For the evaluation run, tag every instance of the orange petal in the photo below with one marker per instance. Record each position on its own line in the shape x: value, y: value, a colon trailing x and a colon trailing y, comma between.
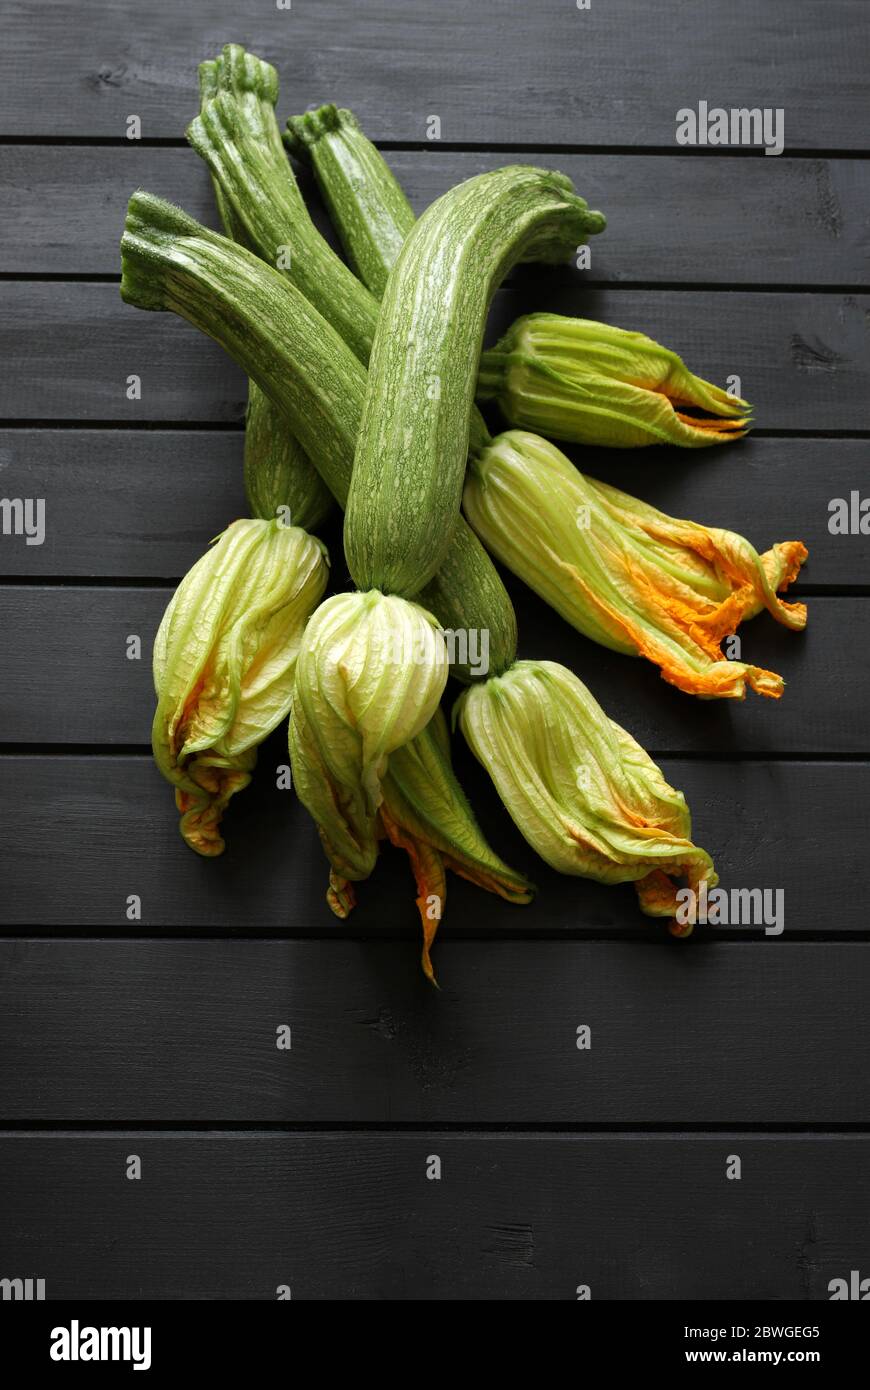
x: 429, y: 875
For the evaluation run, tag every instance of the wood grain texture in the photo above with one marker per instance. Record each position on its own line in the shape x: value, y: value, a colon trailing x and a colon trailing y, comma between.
x: 80, y: 834
x: 495, y: 72
x: 801, y: 221
x: 347, y: 1217
x: 174, y: 1031
x: 67, y: 677
x: 143, y: 504
x: 803, y: 359
x: 130, y: 504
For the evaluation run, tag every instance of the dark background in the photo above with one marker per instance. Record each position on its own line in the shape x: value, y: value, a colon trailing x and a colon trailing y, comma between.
x: 559, y: 1167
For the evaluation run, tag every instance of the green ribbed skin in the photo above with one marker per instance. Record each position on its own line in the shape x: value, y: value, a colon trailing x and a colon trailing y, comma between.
x: 366, y: 202
x: 467, y: 595
x: 236, y: 134
x: 170, y: 262
x: 240, y: 141
x: 373, y: 218
x: 277, y: 471
x: 410, y: 461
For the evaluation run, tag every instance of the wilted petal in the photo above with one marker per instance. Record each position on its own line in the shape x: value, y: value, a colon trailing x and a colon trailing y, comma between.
x: 346, y: 823
x: 426, y: 812
x: 423, y: 810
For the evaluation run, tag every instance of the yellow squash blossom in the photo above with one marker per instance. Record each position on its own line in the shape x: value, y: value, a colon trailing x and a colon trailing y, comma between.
x: 625, y: 574
x: 589, y: 383
x: 580, y: 789
x: 224, y: 660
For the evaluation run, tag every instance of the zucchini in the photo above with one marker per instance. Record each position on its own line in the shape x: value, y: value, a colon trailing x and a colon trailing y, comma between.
x: 278, y: 474
x: 237, y: 135
x: 373, y: 218
x: 365, y: 201
x: 279, y: 477
x: 410, y: 461
x: 170, y: 262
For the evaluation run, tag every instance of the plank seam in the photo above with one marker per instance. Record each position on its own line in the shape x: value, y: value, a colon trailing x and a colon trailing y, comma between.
x: 215, y: 1128
x: 436, y: 148
x: 528, y: 281
x: 23, y: 933
x: 23, y: 422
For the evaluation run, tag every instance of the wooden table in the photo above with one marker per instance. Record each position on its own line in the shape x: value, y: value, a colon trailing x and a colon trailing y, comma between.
x: 307, y: 1167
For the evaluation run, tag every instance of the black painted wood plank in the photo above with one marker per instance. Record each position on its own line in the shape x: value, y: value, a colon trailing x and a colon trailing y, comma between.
x: 140, y: 504
x: 143, y: 504
x: 68, y: 679
x: 167, y: 1032
x: 82, y: 834
x: 803, y: 359
x: 495, y: 71
x: 352, y: 1216
x: 679, y: 219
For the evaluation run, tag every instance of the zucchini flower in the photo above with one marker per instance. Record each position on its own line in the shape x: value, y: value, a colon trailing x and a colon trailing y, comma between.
x: 372, y: 669
x: 581, y: 791
x: 370, y: 754
x: 224, y: 660
x: 625, y: 574
x: 588, y: 383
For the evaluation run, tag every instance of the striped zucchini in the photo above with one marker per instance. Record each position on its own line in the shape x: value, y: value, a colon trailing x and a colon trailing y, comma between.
x: 366, y: 202
x: 237, y: 135
x: 410, y: 460
x: 277, y: 471
x: 170, y: 262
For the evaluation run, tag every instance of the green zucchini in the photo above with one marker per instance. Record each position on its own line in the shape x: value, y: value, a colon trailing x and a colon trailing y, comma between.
x: 238, y: 137
x: 366, y: 203
x: 279, y: 477
x: 236, y: 134
x: 278, y: 474
x: 409, y: 466
x: 170, y: 262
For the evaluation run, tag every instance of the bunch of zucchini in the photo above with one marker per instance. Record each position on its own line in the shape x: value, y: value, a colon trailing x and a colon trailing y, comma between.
x: 363, y: 383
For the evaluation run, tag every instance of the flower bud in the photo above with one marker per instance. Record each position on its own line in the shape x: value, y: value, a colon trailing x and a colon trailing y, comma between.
x: 224, y: 661
x: 589, y: 383
x: 372, y: 668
